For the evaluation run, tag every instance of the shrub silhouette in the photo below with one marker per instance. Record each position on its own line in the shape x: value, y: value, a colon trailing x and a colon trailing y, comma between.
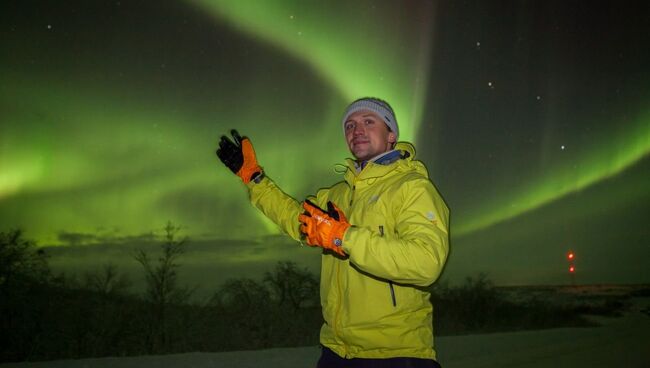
x: 23, y: 273
x: 477, y: 306
x: 20, y: 261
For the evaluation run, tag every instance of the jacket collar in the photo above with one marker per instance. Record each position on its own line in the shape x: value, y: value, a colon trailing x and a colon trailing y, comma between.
x: 385, y: 158
x: 381, y: 165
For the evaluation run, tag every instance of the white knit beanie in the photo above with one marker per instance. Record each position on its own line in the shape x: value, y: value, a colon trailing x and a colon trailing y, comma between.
x: 376, y: 105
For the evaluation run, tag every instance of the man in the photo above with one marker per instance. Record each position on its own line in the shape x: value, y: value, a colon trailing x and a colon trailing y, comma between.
x: 384, y: 232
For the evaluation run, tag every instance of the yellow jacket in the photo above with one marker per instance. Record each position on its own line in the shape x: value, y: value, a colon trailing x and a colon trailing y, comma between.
x: 374, y: 302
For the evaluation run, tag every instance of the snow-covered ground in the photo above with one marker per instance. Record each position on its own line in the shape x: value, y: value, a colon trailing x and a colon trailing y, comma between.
x: 618, y: 342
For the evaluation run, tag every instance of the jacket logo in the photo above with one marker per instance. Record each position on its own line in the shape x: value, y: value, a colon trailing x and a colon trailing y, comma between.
x: 431, y: 217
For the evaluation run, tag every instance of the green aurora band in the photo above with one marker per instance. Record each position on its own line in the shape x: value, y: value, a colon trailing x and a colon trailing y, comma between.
x: 333, y: 49
x: 595, y: 164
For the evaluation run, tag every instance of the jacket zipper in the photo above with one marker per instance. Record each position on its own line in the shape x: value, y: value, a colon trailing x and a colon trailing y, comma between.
x: 338, y: 308
x: 390, y: 283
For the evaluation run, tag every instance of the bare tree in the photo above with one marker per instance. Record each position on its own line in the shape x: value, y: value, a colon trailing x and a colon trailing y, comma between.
x: 162, y: 288
x: 241, y: 295
x: 108, y: 281
x: 291, y: 285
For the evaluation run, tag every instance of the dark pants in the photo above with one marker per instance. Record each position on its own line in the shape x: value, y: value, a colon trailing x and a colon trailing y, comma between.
x: 329, y: 359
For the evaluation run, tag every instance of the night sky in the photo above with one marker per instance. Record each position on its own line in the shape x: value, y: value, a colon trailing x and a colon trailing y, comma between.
x: 532, y: 117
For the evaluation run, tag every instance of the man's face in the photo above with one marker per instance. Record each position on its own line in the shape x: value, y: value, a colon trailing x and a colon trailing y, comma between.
x: 367, y: 135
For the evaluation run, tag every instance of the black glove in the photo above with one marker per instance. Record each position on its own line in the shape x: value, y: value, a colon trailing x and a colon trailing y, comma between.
x: 239, y: 156
x: 331, y: 211
x: 230, y: 153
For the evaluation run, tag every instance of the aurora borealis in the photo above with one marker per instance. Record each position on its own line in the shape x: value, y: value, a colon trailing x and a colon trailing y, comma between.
x: 533, y: 119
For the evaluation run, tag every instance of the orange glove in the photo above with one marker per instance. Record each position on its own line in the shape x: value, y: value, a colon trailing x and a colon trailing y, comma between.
x: 239, y: 156
x: 324, y: 229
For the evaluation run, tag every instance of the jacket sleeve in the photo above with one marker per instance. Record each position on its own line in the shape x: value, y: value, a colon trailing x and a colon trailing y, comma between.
x: 417, y: 252
x: 278, y: 206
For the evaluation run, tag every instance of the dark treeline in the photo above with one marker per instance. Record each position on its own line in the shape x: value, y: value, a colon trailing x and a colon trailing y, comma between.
x: 45, y: 316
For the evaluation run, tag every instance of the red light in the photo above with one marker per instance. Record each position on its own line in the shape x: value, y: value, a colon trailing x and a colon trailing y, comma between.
x: 570, y: 255
x: 572, y: 269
